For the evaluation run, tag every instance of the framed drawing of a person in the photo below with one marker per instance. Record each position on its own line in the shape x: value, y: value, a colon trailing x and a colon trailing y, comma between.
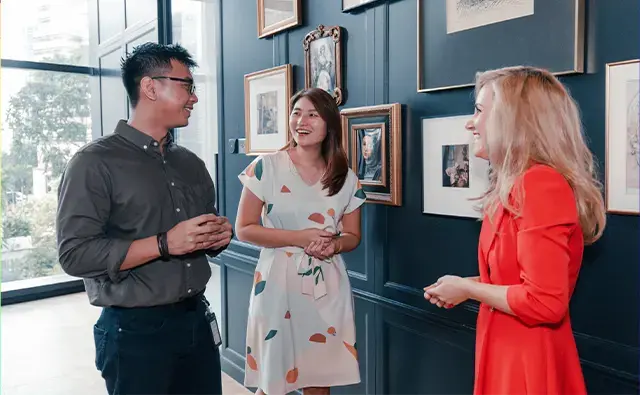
x: 323, y: 60
x: 622, y: 155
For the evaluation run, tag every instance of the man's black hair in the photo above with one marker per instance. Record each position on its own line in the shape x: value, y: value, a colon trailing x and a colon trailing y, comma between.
x: 150, y: 59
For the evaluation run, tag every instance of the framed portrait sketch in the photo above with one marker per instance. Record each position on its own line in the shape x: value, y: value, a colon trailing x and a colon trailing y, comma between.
x: 622, y: 181
x: 372, y: 139
x: 451, y: 173
x: 350, y: 5
x: 453, y: 37
x: 323, y: 60
x: 277, y: 15
x: 267, y: 95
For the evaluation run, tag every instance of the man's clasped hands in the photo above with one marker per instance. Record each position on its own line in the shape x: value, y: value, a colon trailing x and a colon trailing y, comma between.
x: 204, y: 232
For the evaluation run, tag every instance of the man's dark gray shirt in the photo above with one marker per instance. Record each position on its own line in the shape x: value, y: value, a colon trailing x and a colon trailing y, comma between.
x: 118, y: 189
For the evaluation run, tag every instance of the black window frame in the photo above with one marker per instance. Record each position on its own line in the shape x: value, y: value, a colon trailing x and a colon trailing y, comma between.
x: 50, y: 289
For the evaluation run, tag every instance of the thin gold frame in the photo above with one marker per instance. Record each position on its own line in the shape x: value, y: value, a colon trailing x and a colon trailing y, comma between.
x: 265, y: 31
x: 321, y: 32
x: 287, y: 69
x: 578, y: 45
x: 383, y: 144
x: 608, y: 131
x: 394, y: 112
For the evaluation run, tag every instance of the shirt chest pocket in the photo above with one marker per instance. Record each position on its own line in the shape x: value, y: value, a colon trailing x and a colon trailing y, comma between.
x: 197, y: 198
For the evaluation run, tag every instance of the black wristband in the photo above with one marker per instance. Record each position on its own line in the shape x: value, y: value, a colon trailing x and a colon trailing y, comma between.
x: 163, y: 247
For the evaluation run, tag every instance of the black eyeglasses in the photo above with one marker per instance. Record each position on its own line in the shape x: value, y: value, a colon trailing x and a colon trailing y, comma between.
x: 189, y: 82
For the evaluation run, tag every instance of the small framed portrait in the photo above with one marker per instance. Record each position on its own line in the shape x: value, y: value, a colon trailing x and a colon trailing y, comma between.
x: 452, y: 175
x: 323, y: 60
x: 267, y: 96
x: 277, y: 15
x: 368, y: 146
x: 350, y: 5
x: 372, y: 139
x: 622, y: 181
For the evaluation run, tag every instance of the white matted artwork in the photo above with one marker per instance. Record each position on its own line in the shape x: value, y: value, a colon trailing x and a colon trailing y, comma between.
x: 277, y: 15
x: 267, y: 95
x: 348, y: 5
x: 622, y: 131
x: 451, y: 173
x: 469, y: 14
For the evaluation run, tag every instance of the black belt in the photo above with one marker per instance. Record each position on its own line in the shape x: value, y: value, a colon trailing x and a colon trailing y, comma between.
x: 188, y: 304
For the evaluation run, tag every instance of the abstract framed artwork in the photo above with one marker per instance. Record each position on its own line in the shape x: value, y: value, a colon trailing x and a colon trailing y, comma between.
x: 323, y: 60
x: 452, y: 175
x: 453, y: 35
x: 277, y: 15
x: 372, y: 139
x: 267, y: 95
x: 622, y: 180
x: 350, y: 5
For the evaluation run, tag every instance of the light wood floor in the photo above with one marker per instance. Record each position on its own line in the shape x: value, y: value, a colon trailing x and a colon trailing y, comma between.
x: 47, y: 349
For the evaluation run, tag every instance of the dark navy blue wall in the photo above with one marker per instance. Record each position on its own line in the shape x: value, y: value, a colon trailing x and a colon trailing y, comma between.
x: 405, y: 344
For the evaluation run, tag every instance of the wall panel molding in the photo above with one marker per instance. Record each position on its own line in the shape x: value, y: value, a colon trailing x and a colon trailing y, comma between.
x: 401, y: 248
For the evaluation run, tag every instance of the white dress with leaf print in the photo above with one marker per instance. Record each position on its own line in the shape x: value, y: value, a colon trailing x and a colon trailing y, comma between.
x: 301, y: 330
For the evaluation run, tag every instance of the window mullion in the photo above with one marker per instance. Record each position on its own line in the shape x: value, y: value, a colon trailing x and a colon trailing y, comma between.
x: 62, y: 68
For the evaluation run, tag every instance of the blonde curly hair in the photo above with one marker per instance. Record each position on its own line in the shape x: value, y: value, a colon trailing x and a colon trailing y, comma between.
x: 535, y: 119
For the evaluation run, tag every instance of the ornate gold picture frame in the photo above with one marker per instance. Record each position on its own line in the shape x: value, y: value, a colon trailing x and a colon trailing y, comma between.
x: 323, y: 60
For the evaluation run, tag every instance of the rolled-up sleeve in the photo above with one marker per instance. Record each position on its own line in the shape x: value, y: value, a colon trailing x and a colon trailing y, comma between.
x: 84, y: 205
x: 549, y: 216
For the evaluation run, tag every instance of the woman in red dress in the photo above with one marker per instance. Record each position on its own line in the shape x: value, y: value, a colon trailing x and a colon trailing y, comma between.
x: 544, y: 203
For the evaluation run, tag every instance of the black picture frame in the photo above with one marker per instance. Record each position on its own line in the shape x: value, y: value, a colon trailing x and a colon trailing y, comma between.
x: 448, y: 61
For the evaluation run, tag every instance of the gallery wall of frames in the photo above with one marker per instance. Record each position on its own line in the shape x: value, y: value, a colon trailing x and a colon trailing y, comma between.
x: 402, y: 74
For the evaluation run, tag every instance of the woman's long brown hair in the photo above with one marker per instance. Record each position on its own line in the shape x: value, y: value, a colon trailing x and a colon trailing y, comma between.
x: 331, y: 150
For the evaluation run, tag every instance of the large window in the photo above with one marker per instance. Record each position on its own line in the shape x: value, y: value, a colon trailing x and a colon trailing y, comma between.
x: 194, y: 27
x: 46, y: 118
x: 61, y: 88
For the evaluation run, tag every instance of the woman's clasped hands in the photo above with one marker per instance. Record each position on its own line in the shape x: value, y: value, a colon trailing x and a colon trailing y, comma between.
x: 318, y: 243
x: 448, y: 291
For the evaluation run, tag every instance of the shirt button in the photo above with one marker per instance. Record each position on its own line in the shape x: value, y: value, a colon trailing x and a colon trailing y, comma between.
x: 164, y: 161
x: 172, y: 184
x: 144, y: 146
x: 188, y: 265
x: 155, y: 143
x: 189, y: 290
x: 178, y: 210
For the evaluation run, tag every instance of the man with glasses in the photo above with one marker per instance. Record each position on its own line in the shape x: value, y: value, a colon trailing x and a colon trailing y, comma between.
x: 136, y: 220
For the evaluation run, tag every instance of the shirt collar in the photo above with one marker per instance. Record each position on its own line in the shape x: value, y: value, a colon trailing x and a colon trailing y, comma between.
x: 138, y: 138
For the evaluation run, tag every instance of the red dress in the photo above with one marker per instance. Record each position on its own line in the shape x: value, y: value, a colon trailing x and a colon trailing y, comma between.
x: 539, y: 255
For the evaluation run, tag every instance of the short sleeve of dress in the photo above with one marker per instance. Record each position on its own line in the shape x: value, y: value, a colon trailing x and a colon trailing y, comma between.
x: 356, y: 196
x: 255, y: 177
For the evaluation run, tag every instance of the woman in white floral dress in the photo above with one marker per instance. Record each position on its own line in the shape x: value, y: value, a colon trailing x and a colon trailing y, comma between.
x: 301, y: 330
